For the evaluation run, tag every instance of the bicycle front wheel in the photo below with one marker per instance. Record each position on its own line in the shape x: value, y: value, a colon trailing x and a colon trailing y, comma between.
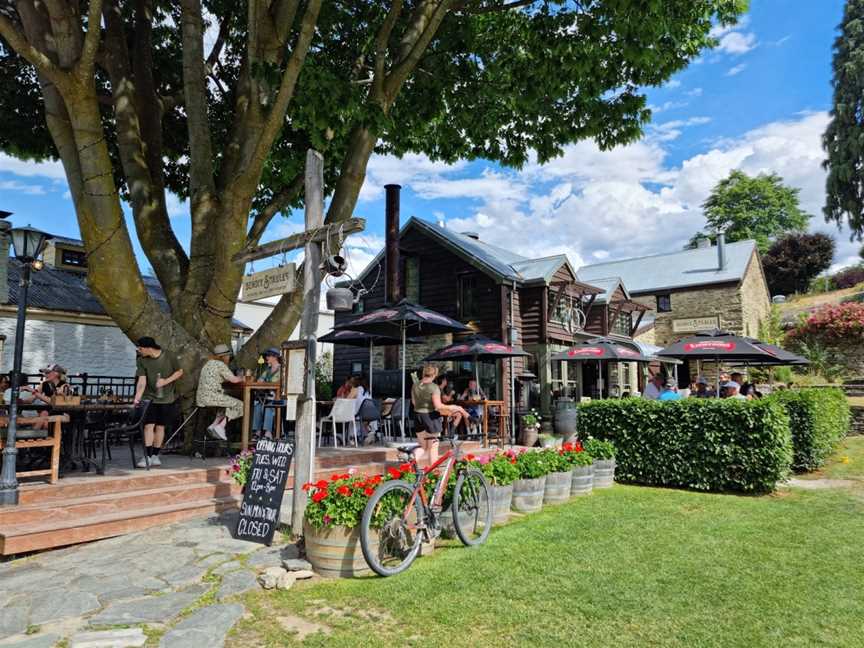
x: 390, y: 534
x: 472, y: 507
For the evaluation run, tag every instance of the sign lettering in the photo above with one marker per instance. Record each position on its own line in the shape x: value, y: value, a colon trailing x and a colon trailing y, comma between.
x: 259, y: 512
x: 269, y: 283
x: 695, y: 324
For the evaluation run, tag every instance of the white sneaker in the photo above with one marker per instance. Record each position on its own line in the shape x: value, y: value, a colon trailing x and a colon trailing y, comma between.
x: 218, y: 432
x: 155, y: 460
x: 142, y: 462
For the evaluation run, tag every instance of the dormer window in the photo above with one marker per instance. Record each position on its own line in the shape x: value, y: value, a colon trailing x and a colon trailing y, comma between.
x: 74, y: 258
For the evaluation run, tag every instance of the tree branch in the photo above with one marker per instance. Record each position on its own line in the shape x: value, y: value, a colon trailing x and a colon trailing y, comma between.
x: 18, y: 42
x: 279, y: 201
x: 381, y: 41
x: 428, y: 17
x: 466, y: 7
x: 91, y: 39
x: 224, y: 26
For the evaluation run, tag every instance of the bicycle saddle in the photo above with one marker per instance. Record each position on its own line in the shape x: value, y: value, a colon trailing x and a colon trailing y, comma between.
x: 408, y: 448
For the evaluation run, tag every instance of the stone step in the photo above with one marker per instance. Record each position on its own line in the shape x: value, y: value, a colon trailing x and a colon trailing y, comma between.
x: 58, y: 533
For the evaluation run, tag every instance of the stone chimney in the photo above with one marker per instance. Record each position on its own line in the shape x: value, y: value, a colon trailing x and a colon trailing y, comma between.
x: 5, y: 242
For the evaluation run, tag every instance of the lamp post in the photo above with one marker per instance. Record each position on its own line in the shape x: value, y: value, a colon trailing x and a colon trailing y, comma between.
x: 28, y: 244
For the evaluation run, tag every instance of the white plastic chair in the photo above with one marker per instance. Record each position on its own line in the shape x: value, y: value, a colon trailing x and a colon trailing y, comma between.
x: 393, y: 420
x: 342, y: 412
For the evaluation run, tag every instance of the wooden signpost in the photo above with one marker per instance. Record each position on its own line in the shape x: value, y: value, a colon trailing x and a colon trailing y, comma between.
x: 262, y: 500
x: 300, y: 376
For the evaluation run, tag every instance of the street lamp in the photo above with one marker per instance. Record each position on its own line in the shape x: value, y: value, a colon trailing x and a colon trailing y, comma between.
x: 27, y: 244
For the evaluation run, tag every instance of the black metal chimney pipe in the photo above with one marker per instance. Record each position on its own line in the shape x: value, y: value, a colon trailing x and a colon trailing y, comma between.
x: 391, y: 247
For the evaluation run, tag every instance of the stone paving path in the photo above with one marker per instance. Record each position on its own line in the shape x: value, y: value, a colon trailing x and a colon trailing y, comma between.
x: 176, y: 586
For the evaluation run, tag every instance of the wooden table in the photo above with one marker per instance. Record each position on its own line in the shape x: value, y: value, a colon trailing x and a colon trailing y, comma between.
x: 486, y: 405
x: 245, y: 390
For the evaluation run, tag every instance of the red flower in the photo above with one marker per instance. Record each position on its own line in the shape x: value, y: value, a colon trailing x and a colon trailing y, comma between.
x: 321, y: 483
x: 307, y: 486
x: 469, y: 457
x: 335, y: 477
x: 394, y: 473
x: 406, y: 467
x: 376, y: 479
x: 344, y: 491
x: 369, y: 491
x: 319, y: 495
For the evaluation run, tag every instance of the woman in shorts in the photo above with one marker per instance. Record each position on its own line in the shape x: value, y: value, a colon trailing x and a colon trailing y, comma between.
x: 429, y: 414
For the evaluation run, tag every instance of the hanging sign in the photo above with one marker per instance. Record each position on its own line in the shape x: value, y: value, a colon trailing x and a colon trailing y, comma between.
x: 695, y: 324
x: 262, y: 500
x: 269, y: 283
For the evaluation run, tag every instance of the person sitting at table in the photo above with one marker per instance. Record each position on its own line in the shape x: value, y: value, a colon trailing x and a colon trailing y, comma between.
x: 447, y: 392
x: 670, y: 391
x: 26, y: 396
x: 271, y: 372
x: 345, y: 390
x: 429, y: 413
x: 473, y: 392
x: 213, y: 374
x: 366, y: 410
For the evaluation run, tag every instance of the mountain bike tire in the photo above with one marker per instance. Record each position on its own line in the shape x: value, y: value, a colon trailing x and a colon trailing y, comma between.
x: 375, y: 540
x: 472, y: 507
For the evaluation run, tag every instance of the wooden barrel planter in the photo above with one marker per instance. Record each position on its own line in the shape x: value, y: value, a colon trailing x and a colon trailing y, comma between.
x: 502, y: 498
x: 446, y: 521
x: 583, y: 480
x: 335, y: 551
x: 604, y: 473
x: 558, y: 486
x: 528, y: 495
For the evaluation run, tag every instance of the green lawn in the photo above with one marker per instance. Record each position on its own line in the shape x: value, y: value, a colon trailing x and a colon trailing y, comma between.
x: 629, y: 566
x: 847, y: 462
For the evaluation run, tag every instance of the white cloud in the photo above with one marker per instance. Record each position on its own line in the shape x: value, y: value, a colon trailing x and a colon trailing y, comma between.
x: 695, y: 92
x: 49, y: 169
x: 410, y: 169
x: 20, y: 187
x: 672, y: 84
x: 738, y: 69
x: 737, y: 43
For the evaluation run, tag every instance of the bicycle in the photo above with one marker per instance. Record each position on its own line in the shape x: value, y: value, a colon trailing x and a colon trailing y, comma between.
x: 399, y: 516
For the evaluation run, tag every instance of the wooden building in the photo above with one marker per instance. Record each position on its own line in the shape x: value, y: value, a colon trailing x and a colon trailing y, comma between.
x: 538, y: 304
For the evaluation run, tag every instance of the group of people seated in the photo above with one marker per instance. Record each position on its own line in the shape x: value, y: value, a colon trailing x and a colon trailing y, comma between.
x: 665, y: 388
x: 53, y: 382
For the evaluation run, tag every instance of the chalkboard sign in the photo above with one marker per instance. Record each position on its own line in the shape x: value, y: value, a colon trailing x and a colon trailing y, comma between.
x: 259, y: 512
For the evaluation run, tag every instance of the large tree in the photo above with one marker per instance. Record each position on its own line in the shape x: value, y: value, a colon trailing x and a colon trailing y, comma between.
x: 844, y: 138
x: 794, y: 260
x: 126, y: 95
x: 752, y: 207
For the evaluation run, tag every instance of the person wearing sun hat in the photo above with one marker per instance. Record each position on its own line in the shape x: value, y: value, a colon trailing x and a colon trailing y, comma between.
x: 157, y: 373
x: 271, y: 372
x: 213, y: 374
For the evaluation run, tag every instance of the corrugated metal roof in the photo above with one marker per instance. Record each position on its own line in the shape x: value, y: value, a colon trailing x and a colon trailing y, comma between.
x: 608, y: 285
x: 63, y: 290
x: 674, y: 270
x: 540, y: 269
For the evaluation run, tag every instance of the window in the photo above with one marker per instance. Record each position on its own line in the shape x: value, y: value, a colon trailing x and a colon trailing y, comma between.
x: 74, y: 258
x: 468, y: 307
x: 411, y: 279
x: 356, y: 368
x: 568, y: 313
x: 664, y: 303
x: 621, y: 325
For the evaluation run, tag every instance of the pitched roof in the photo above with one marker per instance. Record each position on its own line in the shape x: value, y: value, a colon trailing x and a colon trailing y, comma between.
x: 608, y: 285
x: 63, y: 290
x: 697, y: 267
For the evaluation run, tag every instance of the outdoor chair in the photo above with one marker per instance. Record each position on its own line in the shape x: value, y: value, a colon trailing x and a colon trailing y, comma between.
x: 95, y: 431
x: 30, y: 438
x: 392, y: 420
x: 201, y: 438
x: 133, y: 429
x: 342, y: 412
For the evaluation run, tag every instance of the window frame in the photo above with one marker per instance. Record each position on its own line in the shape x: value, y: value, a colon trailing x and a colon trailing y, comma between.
x: 668, y: 298
x: 460, y: 280
x: 78, y: 254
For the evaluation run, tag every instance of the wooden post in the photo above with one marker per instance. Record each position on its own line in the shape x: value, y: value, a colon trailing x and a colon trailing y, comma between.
x: 304, y: 451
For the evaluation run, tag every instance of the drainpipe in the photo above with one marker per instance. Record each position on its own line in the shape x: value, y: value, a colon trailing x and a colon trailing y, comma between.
x: 721, y: 250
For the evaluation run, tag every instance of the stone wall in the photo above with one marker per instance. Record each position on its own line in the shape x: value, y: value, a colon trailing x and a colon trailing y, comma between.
x: 755, y: 298
x: 856, y: 426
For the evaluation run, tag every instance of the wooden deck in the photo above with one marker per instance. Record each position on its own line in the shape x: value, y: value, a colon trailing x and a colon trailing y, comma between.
x: 84, y: 506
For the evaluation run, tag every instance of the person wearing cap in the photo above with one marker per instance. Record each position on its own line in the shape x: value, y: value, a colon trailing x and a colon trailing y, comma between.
x: 157, y: 373
x: 731, y: 389
x: 670, y: 391
x: 271, y: 372
x: 701, y: 390
x: 213, y: 374
x: 54, y: 382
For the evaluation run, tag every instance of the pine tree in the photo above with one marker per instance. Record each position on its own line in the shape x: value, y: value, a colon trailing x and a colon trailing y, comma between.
x: 844, y: 139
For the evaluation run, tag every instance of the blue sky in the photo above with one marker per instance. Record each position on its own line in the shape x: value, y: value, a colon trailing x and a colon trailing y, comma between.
x: 759, y: 102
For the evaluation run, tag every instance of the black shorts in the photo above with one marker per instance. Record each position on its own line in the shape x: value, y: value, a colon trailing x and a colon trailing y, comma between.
x: 431, y: 423
x: 160, y: 414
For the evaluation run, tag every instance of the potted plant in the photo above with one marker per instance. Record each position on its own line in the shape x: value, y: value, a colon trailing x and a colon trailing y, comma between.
x: 603, y: 453
x: 582, y: 466
x: 528, y: 489
x: 559, y: 477
x: 331, y: 527
x: 501, y: 472
x: 530, y: 429
x: 241, y: 466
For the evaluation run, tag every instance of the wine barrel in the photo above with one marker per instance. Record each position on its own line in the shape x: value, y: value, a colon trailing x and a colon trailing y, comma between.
x: 604, y: 473
x: 583, y: 480
x: 528, y: 494
x: 335, y: 552
x: 558, y: 486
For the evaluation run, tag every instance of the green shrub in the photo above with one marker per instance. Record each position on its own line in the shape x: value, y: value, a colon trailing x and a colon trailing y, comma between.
x: 555, y: 460
x: 600, y: 449
x: 818, y: 419
x: 500, y: 470
x: 531, y: 465
x: 704, y: 444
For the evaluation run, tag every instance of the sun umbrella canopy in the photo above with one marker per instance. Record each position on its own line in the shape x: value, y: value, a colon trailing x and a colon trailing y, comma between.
x: 601, y: 349
x: 360, y: 339
x: 780, y: 356
x: 476, y: 348
x: 412, y: 319
x: 718, y: 345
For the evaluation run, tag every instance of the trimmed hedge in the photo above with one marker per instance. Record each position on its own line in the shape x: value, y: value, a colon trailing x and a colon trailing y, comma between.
x: 819, y: 419
x: 704, y: 444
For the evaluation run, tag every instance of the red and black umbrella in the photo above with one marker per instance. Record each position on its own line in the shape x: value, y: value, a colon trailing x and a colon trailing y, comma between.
x: 601, y: 349
x: 719, y: 346
x: 476, y: 349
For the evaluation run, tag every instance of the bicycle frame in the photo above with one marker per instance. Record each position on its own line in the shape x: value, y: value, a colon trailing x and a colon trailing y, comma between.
x: 450, y: 458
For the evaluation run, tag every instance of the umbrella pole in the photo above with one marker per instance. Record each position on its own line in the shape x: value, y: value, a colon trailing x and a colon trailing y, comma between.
x: 600, y: 379
x: 717, y: 377
x: 370, y: 367
x: 402, y: 432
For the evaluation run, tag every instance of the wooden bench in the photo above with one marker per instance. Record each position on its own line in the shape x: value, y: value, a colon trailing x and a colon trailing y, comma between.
x: 51, y: 439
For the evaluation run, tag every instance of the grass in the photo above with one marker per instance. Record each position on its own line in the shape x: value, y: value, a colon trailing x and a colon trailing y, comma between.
x: 629, y: 566
x: 846, y: 463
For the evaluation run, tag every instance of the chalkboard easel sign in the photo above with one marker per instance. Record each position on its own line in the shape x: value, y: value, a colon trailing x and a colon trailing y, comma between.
x: 259, y: 512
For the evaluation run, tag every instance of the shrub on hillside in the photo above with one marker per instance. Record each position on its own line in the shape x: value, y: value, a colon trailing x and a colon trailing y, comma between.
x: 818, y: 419
x: 848, y: 277
x: 704, y: 444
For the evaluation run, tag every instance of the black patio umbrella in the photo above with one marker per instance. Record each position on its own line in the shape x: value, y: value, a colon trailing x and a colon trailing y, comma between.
x: 403, y: 320
x: 718, y: 346
x: 601, y: 349
x: 360, y: 339
x: 780, y: 356
x: 476, y: 348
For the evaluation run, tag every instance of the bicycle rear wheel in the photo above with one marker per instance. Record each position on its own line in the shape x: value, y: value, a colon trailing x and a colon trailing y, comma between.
x: 472, y: 507
x: 389, y: 533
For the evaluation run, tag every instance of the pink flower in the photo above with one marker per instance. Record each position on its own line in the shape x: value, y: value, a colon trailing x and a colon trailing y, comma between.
x: 484, y: 459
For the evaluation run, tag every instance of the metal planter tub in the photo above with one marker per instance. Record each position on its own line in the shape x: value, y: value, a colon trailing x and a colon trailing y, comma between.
x: 335, y: 551
x: 583, y: 480
x: 528, y: 494
x: 558, y: 486
x: 604, y: 473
